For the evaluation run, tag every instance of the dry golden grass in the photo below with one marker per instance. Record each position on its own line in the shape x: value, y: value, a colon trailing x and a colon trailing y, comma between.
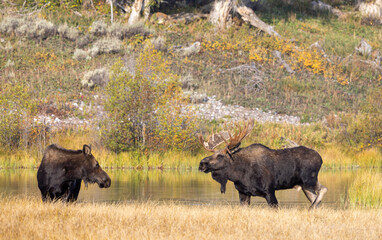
x: 29, y: 218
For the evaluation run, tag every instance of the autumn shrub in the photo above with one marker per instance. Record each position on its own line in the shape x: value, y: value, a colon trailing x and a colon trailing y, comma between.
x: 16, y: 116
x: 361, y: 130
x: 145, y: 108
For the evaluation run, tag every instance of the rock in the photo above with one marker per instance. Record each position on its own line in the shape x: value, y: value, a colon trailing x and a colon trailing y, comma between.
x: 363, y: 48
x: 190, y: 50
x: 212, y: 109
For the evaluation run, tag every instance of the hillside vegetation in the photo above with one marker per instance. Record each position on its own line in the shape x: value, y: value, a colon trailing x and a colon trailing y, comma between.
x: 68, y: 76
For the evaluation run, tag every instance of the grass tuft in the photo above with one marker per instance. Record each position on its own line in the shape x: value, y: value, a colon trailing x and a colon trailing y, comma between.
x: 366, y: 190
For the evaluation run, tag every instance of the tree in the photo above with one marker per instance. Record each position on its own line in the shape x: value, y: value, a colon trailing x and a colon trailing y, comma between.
x: 146, y: 108
x: 139, y: 8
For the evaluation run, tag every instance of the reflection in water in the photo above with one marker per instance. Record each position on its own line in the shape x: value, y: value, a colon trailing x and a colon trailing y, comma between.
x: 188, y: 187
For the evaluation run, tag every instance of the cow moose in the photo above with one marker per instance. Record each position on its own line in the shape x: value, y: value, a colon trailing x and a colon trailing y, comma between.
x: 61, y: 172
x: 257, y: 170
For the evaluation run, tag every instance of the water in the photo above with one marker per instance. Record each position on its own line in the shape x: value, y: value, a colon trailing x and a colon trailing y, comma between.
x: 184, y: 187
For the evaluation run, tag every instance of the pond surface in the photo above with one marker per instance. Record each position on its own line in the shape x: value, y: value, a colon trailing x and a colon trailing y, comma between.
x: 184, y: 186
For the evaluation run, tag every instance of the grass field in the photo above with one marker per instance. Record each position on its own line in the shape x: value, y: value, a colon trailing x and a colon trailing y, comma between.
x: 29, y: 218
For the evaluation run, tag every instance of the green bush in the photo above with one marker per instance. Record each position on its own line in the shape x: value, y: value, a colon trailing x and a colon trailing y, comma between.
x: 145, y: 108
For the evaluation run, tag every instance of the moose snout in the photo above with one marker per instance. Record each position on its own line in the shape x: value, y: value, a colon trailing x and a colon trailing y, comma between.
x: 203, y: 166
x: 105, y: 183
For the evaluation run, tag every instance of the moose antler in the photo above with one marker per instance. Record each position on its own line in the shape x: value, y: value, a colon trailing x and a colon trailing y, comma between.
x: 235, y: 141
x: 213, y: 141
x: 226, y: 137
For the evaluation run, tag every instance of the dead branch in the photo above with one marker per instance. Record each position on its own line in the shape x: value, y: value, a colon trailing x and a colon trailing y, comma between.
x: 248, y: 15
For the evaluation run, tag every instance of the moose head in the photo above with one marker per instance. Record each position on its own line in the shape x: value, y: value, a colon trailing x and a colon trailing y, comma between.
x: 93, y: 172
x: 222, y: 158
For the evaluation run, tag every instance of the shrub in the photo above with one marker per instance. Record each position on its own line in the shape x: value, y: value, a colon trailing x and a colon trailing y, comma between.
x: 106, y: 45
x: 80, y: 54
x: 16, y: 116
x: 34, y: 28
x: 98, y: 77
x: 37, y: 29
x: 98, y: 28
x: 9, y: 25
x: 361, y: 130
x: 67, y: 32
x: 144, y: 108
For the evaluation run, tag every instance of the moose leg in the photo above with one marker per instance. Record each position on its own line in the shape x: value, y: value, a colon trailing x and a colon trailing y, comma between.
x: 244, y: 199
x: 43, y: 196
x: 271, y: 199
x: 74, y: 190
x: 55, y: 193
x: 321, y: 190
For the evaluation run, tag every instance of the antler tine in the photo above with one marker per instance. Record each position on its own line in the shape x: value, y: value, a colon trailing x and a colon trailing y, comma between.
x: 202, y: 142
x: 236, y: 140
x: 233, y: 141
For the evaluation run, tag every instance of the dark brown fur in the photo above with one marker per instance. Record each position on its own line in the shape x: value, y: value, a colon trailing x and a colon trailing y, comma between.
x: 259, y: 171
x: 61, y: 172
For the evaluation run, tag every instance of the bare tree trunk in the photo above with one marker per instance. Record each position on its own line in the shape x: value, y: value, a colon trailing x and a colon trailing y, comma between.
x: 111, y: 10
x: 250, y: 16
x: 135, y: 14
x: 146, y: 9
x: 220, y: 15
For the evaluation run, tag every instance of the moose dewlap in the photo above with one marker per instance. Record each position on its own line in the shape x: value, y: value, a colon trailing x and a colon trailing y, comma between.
x: 257, y: 170
x: 61, y: 172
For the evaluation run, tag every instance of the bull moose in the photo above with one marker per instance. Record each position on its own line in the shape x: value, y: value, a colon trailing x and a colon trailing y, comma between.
x: 257, y: 170
x: 61, y: 172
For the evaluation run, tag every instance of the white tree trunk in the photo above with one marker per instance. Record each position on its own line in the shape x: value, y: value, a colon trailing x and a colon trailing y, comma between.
x: 135, y: 14
x: 146, y: 10
x: 220, y: 15
x: 111, y: 11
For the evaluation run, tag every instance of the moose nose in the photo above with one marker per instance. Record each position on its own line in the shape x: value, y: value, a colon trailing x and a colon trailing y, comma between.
x: 202, y: 166
x: 107, y: 182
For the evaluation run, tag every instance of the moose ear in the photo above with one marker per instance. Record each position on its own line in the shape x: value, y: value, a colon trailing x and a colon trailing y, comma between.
x: 87, y: 150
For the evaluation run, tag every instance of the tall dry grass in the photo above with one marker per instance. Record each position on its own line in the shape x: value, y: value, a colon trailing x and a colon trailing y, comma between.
x: 29, y: 218
x: 366, y: 190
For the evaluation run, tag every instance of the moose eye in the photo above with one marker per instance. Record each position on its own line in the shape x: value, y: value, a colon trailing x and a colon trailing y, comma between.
x: 220, y: 157
x: 97, y: 165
